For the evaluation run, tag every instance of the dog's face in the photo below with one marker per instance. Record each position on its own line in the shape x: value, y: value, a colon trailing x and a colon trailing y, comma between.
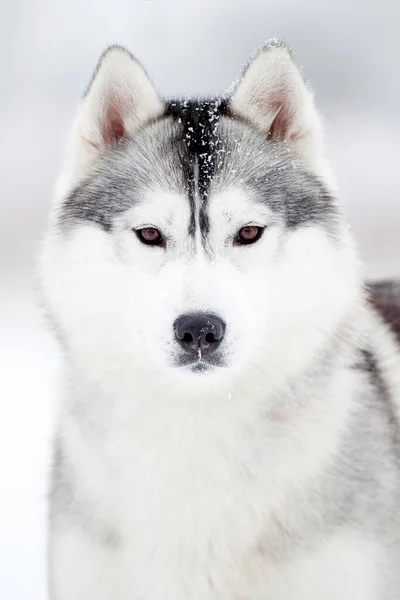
x: 197, y: 242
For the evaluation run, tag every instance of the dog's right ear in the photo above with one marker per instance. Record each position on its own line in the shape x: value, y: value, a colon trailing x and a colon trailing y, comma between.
x: 118, y: 101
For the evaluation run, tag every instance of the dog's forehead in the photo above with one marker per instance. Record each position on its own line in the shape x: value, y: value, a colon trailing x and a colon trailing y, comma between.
x: 227, y: 205
x: 200, y: 153
x: 220, y: 163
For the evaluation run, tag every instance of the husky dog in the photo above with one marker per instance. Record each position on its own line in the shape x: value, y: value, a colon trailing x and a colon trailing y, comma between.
x: 228, y: 428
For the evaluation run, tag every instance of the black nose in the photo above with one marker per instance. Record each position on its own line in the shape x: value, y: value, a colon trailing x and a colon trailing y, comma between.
x: 199, y: 333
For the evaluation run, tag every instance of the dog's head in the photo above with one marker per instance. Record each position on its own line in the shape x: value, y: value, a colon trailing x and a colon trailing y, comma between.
x: 197, y: 241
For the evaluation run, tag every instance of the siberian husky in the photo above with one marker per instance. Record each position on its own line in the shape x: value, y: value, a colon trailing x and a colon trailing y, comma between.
x: 228, y: 424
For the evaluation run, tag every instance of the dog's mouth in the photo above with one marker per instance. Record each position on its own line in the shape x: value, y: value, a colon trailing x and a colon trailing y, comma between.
x: 200, y: 367
x: 199, y: 363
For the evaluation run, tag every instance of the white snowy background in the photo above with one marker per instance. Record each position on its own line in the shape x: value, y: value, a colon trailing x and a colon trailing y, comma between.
x: 350, y: 51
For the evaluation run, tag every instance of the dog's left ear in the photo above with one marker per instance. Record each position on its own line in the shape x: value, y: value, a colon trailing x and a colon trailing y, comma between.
x: 273, y: 97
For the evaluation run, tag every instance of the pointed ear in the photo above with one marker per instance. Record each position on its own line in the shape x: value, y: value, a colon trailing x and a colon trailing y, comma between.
x: 274, y: 98
x: 118, y: 101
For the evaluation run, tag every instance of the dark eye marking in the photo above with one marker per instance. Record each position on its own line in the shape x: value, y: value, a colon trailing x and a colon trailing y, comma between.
x: 151, y: 236
x: 248, y: 235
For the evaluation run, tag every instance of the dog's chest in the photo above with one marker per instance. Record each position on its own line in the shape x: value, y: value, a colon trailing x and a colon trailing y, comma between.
x: 192, y: 515
x: 180, y: 487
x: 190, y: 506
x: 189, y: 530
x: 344, y: 568
x: 187, y: 504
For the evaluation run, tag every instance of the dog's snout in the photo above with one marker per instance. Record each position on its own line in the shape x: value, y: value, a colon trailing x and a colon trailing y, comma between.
x: 199, y: 333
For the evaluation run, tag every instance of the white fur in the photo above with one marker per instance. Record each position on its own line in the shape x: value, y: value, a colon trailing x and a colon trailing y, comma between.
x: 185, y: 469
x: 121, y: 84
x: 169, y: 459
x: 273, y: 86
x: 263, y: 280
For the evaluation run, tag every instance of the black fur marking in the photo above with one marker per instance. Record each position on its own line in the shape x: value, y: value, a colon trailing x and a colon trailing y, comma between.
x: 200, y: 122
x: 193, y: 146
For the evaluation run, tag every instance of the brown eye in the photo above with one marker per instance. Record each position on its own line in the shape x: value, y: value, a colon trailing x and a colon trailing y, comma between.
x: 249, y: 234
x: 150, y: 236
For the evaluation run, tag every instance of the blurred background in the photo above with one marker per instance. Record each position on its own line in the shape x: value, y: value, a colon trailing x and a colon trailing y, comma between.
x: 350, y: 53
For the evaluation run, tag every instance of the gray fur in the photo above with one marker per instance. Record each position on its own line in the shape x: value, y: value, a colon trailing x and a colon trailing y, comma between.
x: 70, y: 507
x: 385, y: 296
x: 200, y: 146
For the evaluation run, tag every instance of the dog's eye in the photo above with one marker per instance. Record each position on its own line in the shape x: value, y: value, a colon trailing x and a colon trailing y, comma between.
x: 150, y: 236
x: 249, y: 234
